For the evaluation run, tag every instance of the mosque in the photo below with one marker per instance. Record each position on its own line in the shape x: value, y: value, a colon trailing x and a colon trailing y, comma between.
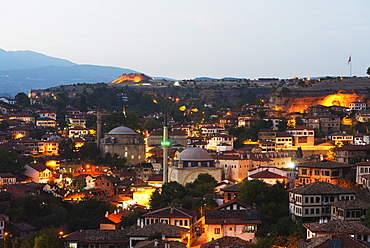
x: 190, y: 163
x: 126, y: 143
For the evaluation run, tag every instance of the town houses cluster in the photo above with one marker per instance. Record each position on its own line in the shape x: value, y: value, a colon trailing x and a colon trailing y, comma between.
x: 311, y: 155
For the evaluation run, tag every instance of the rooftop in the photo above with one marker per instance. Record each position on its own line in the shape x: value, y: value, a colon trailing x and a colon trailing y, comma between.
x: 321, y: 188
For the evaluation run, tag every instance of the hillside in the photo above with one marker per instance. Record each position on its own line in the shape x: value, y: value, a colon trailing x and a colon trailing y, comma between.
x: 21, y: 71
x: 295, y: 97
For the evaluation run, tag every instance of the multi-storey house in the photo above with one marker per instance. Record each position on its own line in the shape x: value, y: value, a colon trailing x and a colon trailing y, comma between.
x: 329, y: 123
x: 221, y: 142
x: 7, y: 178
x: 302, y: 135
x: 313, y: 200
x: 46, y: 114
x: 170, y: 215
x: 322, y: 171
x: 234, y: 167
x: 350, y: 210
x: 228, y: 120
x: 348, y: 154
x: 231, y: 192
x: 283, y: 140
x: 362, y: 116
x: 311, y: 121
x: 340, y: 139
x: 234, y: 218
x: 357, y: 105
x: 38, y: 172
x: 352, y: 229
x: 362, y: 169
x: 211, y: 130
x: 46, y: 122
x: 318, y: 110
x: 274, y: 121
x: 107, y: 183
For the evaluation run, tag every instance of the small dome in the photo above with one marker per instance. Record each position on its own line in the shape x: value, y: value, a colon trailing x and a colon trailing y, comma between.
x: 122, y: 130
x: 195, y: 154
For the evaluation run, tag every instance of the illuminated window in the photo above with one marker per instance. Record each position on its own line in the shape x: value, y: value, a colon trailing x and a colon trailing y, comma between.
x: 249, y: 228
x: 217, y: 230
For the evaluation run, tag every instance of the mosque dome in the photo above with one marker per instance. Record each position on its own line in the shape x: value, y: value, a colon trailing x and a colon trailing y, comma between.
x: 195, y: 154
x: 122, y: 130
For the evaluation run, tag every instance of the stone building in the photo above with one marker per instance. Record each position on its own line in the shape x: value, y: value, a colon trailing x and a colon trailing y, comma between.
x: 190, y: 163
x: 124, y: 142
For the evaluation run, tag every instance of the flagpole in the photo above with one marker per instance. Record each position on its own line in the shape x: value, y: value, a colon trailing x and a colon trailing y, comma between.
x: 350, y: 65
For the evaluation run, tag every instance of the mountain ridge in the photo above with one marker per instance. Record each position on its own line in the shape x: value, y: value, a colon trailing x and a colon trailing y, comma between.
x: 21, y: 71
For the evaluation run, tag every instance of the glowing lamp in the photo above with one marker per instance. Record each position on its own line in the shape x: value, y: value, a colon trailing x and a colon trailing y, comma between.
x: 165, y: 143
x: 291, y: 165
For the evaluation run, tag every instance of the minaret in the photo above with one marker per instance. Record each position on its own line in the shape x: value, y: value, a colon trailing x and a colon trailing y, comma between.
x: 165, y: 144
x: 98, y: 128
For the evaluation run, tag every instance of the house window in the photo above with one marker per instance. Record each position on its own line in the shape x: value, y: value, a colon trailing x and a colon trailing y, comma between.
x: 229, y: 196
x: 249, y: 228
x: 335, y: 173
x: 217, y: 230
x: 185, y: 222
x: 304, y: 171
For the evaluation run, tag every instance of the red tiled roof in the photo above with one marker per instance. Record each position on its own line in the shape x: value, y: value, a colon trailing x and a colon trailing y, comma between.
x: 300, y: 128
x: 266, y: 174
x: 172, y: 212
x: 233, y: 201
x: 229, y: 217
x: 38, y: 166
x: 337, y: 226
x: 226, y: 241
x: 158, y: 178
x: 116, y: 217
x: 354, y: 148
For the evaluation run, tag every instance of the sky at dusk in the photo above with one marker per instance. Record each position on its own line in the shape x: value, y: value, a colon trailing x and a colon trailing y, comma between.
x: 193, y: 38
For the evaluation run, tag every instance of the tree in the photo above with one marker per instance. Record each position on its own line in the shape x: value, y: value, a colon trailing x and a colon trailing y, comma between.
x: 82, y: 105
x: 88, y: 151
x: 298, y: 121
x: 368, y: 71
x: 10, y: 161
x: 22, y: 100
x: 130, y: 219
x: 171, y: 193
x: 151, y: 124
x: 203, y: 184
x: 254, y: 192
x: 299, y: 153
x: 67, y: 148
x: 48, y: 239
x: 84, y: 214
